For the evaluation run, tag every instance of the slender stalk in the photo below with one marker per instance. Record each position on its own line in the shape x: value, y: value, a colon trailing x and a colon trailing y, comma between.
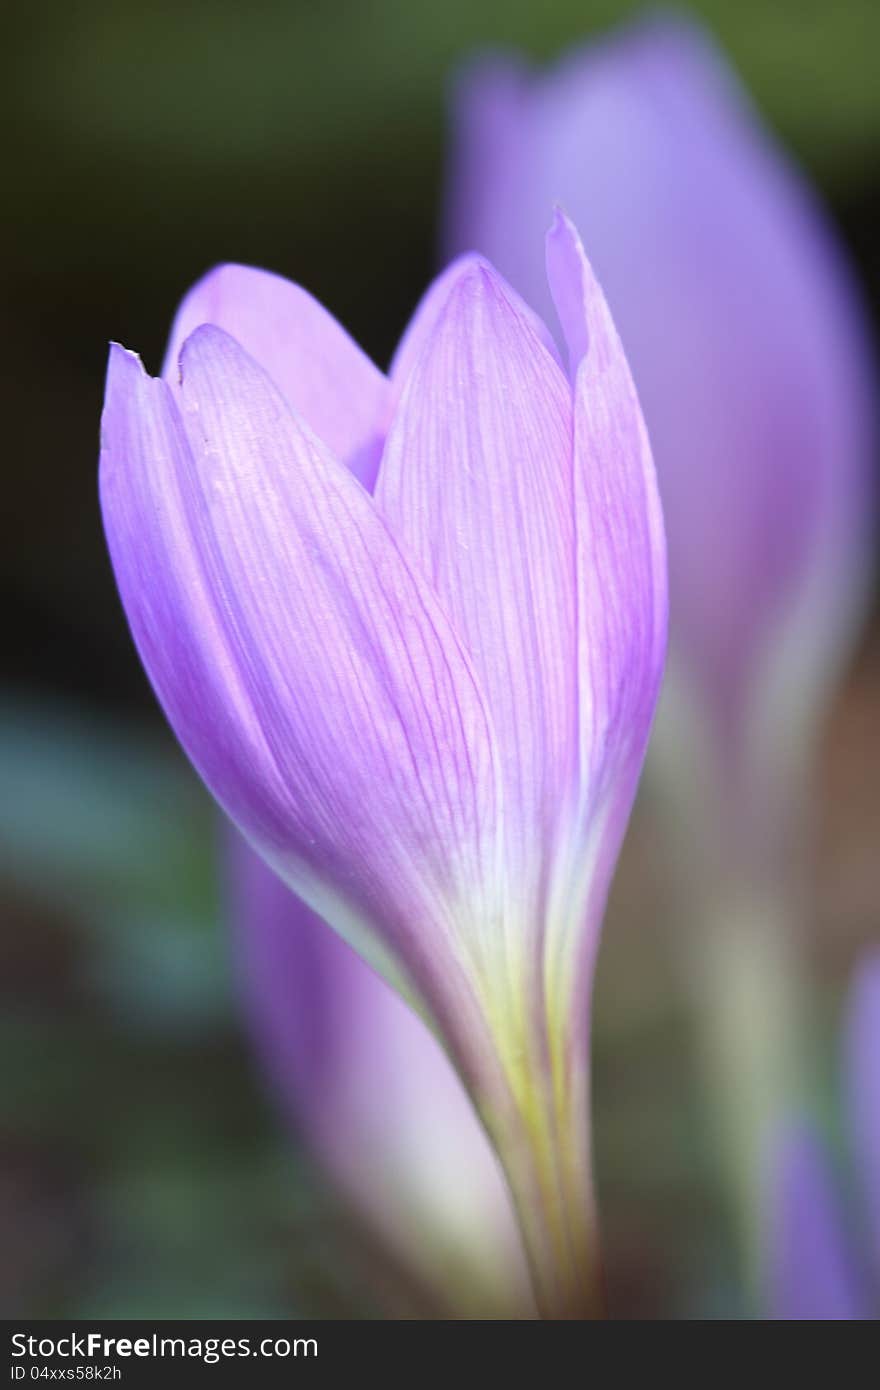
x: 544, y: 1147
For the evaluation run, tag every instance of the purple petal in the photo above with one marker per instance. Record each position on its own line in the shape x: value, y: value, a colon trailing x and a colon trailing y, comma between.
x: 429, y: 312
x: 738, y: 322
x: 863, y: 1077
x: 476, y: 482
x: 810, y: 1272
x: 423, y: 323
x: 542, y: 535
x: 375, y: 1098
x: 323, y: 373
x: 364, y: 686
x: 620, y: 574
x: 306, y: 668
x: 621, y: 553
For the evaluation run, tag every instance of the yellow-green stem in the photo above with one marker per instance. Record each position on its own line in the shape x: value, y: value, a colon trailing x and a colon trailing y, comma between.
x: 544, y: 1148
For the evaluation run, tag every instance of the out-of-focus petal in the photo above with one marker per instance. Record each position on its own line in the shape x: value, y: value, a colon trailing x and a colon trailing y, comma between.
x: 490, y: 207
x: 323, y: 373
x: 307, y: 669
x: 375, y: 1098
x: 863, y: 1078
x: 810, y: 1274
x: 739, y: 325
x: 476, y: 481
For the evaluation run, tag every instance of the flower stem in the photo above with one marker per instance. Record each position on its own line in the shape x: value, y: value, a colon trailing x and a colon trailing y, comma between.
x: 544, y: 1148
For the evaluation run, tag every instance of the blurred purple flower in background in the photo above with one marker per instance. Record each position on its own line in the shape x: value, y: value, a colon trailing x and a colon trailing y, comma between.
x: 748, y: 351
x: 426, y: 708
x: 738, y: 320
x: 815, y: 1268
x: 369, y: 1089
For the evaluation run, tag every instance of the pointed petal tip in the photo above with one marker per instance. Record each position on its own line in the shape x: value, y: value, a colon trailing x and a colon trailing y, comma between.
x: 473, y: 278
x: 583, y: 312
x: 207, y: 299
x: 562, y: 224
x: 565, y: 249
x: 123, y: 361
x: 572, y: 285
x: 564, y: 236
x: 201, y: 334
x: 320, y: 370
x: 467, y: 277
x: 208, y: 340
x: 125, y: 378
x: 132, y: 399
x: 468, y: 270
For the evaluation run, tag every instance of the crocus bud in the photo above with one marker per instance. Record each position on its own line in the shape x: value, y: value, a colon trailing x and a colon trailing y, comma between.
x: 746, y: 345
x: 426, y: 706
x: 371, y: 1094
x: 817, y: 1267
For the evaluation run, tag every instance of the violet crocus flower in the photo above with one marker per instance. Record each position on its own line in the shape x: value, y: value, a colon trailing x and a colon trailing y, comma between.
x: 816, y: 1269
x: 748, y: 352
x: 370, y: 1092
x: 426, y: 706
